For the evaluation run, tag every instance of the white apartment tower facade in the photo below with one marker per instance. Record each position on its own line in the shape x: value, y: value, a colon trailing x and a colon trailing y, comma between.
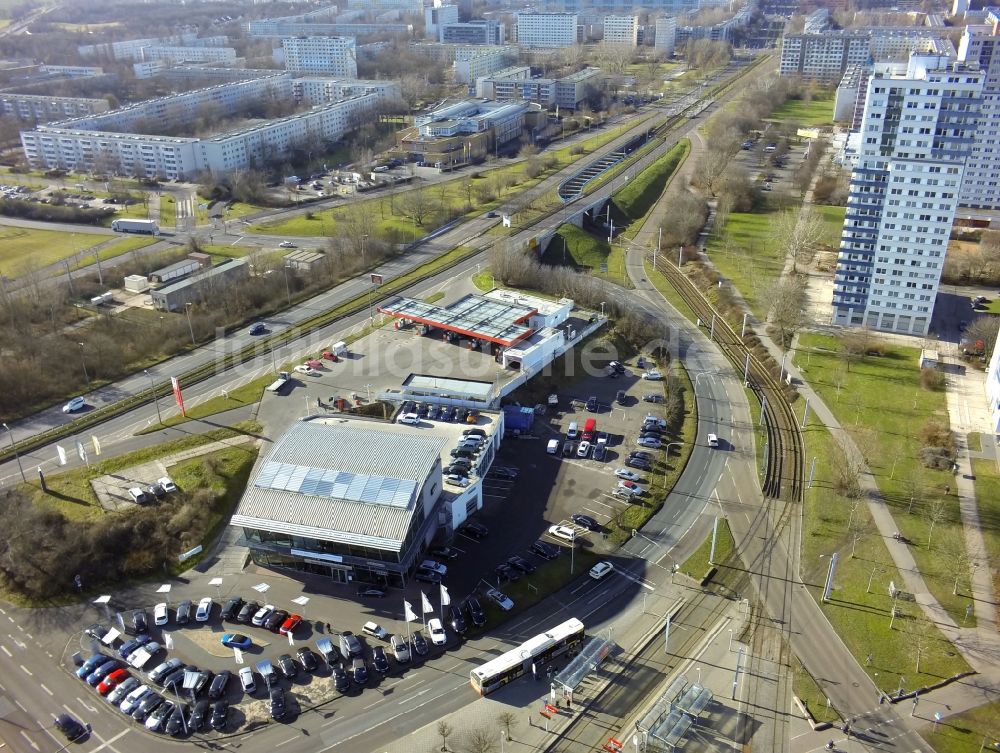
x: 331, y: 56
x: 915, y: 139
x: 547, y: 30
x: 623, y: 30
x: 981, y: 45
x: 666, y: 35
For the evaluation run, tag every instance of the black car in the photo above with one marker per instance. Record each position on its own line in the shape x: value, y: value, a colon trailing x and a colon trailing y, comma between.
x: 204, y: 678
x: 360, y: 671
x: 147, y: 706
x: 545, y: 550
x: 456, y: 620
x: 427, y: 576
x: 476, y: 612
x: 641, y: 454
x: 219, y: 684
x: 468, y: 454
x: 475, y: 530
x: 380, y: 661
x: 307, y: 659
x: 371, y: 592
x: 97, y: 630
x: 257, y: 329
x: 587, y: 522
x: 504, y: 571
x: 72, y: 729
x: 199, y: 715
x: 617, y: 367
x: 278, y: 707
x: 232, y: 608
x: 140, y: 624
x: 651, y: 435
x: 639, y: 463
x: 423, y: 410
x: 569, y: 449
x: 287, y: 666
x: 183, y: 615
x: 419, y: 643
x: 407, y: 407
x: 275, y: 620
x: 340, y: 679
x: 507, y: 474
x: 457, y: 470
x: 456, y: 414
x: 461, y: 463
x: 443, y: 552
x: 654, y: 398
x: 520, y: 563
x: 592, y: 403
x: 475, y: 433
x: 177, y: 677
x: 247, y: 611
x: 176, y: 721
x: 220, y: 710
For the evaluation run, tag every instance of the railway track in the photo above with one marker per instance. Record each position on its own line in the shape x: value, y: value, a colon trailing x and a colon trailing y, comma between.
x: 783, y: 462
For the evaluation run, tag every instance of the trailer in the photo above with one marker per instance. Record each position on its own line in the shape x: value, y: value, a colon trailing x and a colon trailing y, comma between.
x: 278, y: 385
x: 143, y: 227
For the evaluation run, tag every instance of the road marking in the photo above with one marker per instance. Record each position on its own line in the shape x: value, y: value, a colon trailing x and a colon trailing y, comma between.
x: 6, y: 650
x: 415, y: 696
x: 20, y: 706
x: 42, y: 686
x: 107, y: 743
x: 26, y: 671
x: 31, y: 742
x: 83, y: 703
x: 293, y: 739
x: 68, y: 709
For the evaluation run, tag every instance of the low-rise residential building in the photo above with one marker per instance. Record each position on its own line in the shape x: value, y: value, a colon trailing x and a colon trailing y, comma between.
x: 515, y: 83
x: 472, y: 63
x: 36, y: 108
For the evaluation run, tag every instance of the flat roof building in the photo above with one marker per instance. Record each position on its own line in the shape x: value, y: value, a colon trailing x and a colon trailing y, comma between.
x: 359, y: 500
x: 623, y: 30
x: 335, y: 56
x: 477, y: 31
x: 200, y: 287
x: 541, y: 30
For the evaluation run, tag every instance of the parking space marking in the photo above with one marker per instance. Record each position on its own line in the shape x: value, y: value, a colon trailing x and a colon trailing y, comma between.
x: 107, y: 743
x: 68, y: 709
x: 6, y: 651
x: 42, y: 686
x: 31, y: 742
x: 26, y: 671
x: 20, y: 706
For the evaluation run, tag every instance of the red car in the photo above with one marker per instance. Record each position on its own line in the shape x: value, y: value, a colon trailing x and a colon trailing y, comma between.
x: 312, y: 363
x: 108, y: 683
x: 289, y: 625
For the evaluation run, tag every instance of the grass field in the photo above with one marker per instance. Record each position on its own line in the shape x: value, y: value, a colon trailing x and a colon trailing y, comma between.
x: 816, y: 112
x: 833, y: 221
x: 746, y: 252
x: 881, y: 403
x: 573, y: 245
x: 633, y: 201
x: 20, y: 247
x: 988, y: 502
x: 168, y: 211
x: 85, y: 28
x: 117, y: 247
x: 973, y: 731
x: 697, y: 564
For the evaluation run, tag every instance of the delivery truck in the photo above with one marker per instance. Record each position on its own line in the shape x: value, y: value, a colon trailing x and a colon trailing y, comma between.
x: 280, y: 384
x: 143, y: 227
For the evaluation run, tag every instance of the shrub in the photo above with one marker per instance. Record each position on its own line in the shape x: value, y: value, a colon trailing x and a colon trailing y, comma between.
x: 936, y: 433
x: 935, y: 457
x: 931, y: 379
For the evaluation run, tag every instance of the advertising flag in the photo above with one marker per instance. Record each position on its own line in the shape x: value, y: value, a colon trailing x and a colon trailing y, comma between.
x: 408, y: 611
x: 426, y: 603
x: 175, y: 383
x: 81, y: 451
x: 97, y: 444
x: 61, y: 451
x: 445, y: 598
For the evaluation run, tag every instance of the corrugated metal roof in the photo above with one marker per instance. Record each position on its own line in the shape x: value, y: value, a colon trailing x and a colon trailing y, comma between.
x: 353, y: 484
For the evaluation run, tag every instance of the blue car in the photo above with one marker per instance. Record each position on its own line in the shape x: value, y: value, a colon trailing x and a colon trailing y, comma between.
x: 236, y: 640
x: 258, y: 329
x: 91, y: 664
x: 132, y: 645
x: 103, y: 671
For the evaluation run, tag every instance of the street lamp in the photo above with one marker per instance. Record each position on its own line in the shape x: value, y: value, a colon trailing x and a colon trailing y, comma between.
x: 16, y: 455
x: 602, y: 307
x: 288, y: 291
x: 187, y: 310
x: 83, y: 362
x: 364, y: 262
x: 156, y: 401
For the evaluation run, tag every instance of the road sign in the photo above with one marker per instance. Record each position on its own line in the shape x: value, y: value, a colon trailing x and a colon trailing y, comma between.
x: 604, y: 268
x: 376, y: 279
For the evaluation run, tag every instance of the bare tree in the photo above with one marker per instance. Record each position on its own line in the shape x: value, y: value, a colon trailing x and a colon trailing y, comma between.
x: 445, y: 730
x: 984, y: 329
x: 799, y: 233
x: 958, y: 561
x: 854, y: 345
x: 935, y: 511
x: 418, y: 206
x: 482, y: 740
x: 787, y: 310
x: 922, y: 638
x: 859, y: 527
x: 507, y: 720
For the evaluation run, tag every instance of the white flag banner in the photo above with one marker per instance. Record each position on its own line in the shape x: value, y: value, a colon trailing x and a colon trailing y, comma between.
x: 81, y: 451
x: 97, y: 444
x: 408, y: 611
x: 168, y: 641
x: 445, y: 598
x: 426, y: 602
x: 61, y: 452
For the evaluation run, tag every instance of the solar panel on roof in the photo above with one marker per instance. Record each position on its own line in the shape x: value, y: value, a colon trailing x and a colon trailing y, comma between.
x: 332, y: 484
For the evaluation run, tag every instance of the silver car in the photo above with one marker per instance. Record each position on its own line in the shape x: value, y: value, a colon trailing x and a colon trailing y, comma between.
x: 399, y: 649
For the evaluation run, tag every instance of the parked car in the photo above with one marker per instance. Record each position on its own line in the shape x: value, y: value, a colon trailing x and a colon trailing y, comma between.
x: 435, y: 566
x: 109, y: 683
x: 628, y: 475
x: 162, y: 670
x: 359, y: 671
x: 587, y: 522
x: 350, y: 645
x: 177, y: 721
x: 371, y: 592
x: 231, y: 608
x: 419, y: 643
x: 158, y: 717
x: 545, y: 550
x: 219, y: 683
x: 199, y: 715
x: 592, y: 403
x: 639, y: 463
x: 122, y: 689
x: 290, y: 624
x: 278, y: 706
x: 183, y: 614
x: 140, y: 624
x: 262, y: 614
x: 380, y: 661
x: 220, y: 712
x: 564, y: 533
x: 444, y: 552
x: 247, y: 611
x: 306, y: 369
x: 307, y: 659
x: 651, y: 442
x: 129, y: 646
x: 287, y: 666
x: 520, y: 563
x: 399, y: 649
x: 475, y: 530
x: 97, y: 630
x: 133, y: 698
x: 237, y: 640
x: 505, y: 572
x: 102, y: 671
x: 654, y: 398
x: 457, y: 620
x: 375, y: 631
x: 476, y: 612
x: 652, y: 376
x: 247, y: 681
x: 411, y: 419
x: 426, y: 576
x: 77, y: 403
x: 340, y: 679
x: 160, y: 616
x: 275, y: 620
x: 583, y: 450
x: 146, y: 706
x: 438, y: 635
x: 204, y: 610
x: 500, y: 599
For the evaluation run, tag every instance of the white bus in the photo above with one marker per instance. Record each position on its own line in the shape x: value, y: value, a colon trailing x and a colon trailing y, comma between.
x: 539, y: 650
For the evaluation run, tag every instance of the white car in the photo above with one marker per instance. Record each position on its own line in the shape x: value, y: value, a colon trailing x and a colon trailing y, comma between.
x: 583, y: 450
x: 436, y: 629
x: 286, y: 244
x: 262, y: 614
x: 160, y: 614
x: 455, y: 480
x: 649, y: 418
x: 628, y: 475
x: 204, y: 610
x: 134, y: 698
x: 246, y: 680
x: 601, y: 569
x: 167, y: 483
x: 435, y: 566
x: 77, y: 403
x: 651, y: 442
x: 409, y: 418
x: 307, y: 370
x: 652, y: 376
x: 501, y: 599
x: 562, y: 532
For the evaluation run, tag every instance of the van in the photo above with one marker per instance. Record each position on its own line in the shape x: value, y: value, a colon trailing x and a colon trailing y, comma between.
x: 572, y: 431
x: 552, y: 448
x: 713, y: 441
x: 589, y: 427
